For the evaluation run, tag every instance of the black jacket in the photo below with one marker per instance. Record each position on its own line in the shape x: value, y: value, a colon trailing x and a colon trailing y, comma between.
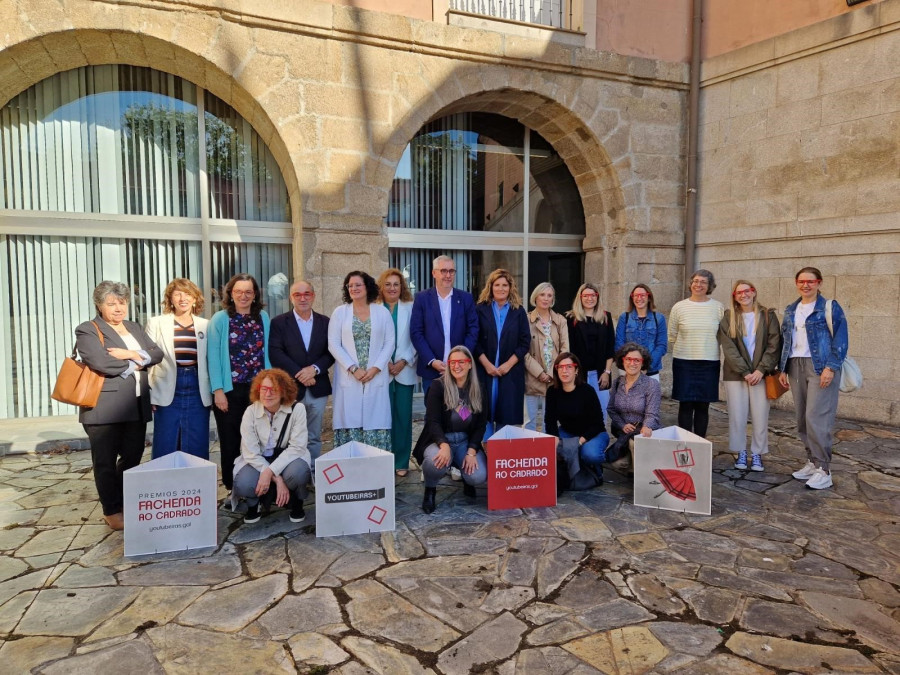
x: 287, y: 351
x: 437, y: 420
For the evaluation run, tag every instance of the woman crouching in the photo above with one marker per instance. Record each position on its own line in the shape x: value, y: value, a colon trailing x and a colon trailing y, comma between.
x: 274, y: 462
x: 454, y: 428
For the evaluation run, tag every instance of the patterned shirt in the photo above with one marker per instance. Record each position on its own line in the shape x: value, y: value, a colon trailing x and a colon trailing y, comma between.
x: 246, y: 342
x: 185, y: 345
x: 638, y: 406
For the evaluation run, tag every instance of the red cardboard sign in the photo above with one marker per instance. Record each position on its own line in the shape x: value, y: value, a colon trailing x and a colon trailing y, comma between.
x: 521, y: 466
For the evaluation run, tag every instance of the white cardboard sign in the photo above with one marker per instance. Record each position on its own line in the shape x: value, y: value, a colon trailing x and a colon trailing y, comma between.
x: 673, y: 471
x: 170, y: 505
x: 354, y: 491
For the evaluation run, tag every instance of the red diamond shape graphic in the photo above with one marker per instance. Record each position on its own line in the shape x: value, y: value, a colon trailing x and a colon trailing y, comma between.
x: 333, y: 474
x: 377, y: 514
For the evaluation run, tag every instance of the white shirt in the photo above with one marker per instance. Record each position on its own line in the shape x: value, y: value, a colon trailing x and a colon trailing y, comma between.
x: 749, y: 332
x: 799, y: 342
x: 446, y: 311
x: 305, y: 326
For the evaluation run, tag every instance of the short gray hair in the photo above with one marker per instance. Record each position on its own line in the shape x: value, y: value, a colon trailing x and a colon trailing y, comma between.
x: 106, y: 288
x: 441, y: 258
x: 540, y: 288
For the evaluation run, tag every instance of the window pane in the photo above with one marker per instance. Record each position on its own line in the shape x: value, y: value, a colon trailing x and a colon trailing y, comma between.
x: 269, y: 264
x: 555, y: 206
x: 472, y: 267
x: 563, y: 270
x: 102, y: 139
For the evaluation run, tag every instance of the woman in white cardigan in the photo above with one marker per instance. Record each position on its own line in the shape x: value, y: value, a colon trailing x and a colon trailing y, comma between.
x: 179, y: 384
x: 361, y: 339
x: 394, y: 294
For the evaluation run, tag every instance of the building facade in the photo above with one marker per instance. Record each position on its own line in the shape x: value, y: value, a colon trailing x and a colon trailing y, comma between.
x: 147, y: 140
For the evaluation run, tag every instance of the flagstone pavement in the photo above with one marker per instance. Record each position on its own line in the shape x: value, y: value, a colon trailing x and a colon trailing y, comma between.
x: 779, y: 579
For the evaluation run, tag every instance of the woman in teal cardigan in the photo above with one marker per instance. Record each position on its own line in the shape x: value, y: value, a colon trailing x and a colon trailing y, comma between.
x: 238, y: 350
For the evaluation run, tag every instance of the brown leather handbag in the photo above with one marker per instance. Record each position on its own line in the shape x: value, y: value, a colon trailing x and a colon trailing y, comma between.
x: 76, y: 383
x: 774, y: 388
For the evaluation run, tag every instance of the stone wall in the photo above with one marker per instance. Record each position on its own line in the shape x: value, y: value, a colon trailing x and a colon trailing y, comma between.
x: 338, y: 92
x: 800, y: 165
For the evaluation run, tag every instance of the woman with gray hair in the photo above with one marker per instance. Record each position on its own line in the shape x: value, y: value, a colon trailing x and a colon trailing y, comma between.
x: 549, y: 337
x: 693, y: 331
x: 121, y: 352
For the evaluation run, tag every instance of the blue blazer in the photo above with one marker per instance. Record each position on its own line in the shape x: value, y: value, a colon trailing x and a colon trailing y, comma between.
x: 427, y: 330
x: 287, y: 351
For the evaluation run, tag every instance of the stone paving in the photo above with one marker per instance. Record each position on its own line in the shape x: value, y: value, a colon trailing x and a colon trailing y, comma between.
x: 778, y: 579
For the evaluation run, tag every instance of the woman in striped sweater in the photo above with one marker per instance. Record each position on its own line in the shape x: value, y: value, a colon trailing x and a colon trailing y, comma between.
x: 693, y: 328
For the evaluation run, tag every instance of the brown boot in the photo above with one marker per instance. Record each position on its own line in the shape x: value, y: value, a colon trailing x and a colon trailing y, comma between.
x: 115, y: 521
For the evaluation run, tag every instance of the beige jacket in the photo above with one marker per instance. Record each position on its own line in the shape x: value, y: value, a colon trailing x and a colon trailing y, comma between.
x: 534, y: 360
x: 255, y: 430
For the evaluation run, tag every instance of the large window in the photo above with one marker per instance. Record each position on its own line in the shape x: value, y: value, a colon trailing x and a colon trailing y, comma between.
x: 490, y: 193
x: 130, y: 174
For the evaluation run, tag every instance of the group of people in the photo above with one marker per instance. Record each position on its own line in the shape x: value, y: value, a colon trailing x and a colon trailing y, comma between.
x: 482, y: 364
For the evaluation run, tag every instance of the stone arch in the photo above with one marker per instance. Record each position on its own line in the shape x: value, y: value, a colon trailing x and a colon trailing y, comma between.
x: 577, y: 143
x: 38, y: 58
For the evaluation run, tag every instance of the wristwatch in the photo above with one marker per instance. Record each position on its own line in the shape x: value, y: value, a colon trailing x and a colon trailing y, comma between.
x: 353, y: 369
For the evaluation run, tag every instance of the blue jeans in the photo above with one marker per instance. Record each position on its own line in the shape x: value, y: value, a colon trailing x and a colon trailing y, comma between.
x: 459, y: 446
x: 592, y: 453
x: 184, y: 423
x: 593, y: 379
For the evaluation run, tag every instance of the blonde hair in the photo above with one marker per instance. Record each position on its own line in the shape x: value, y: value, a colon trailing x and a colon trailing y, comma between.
x: 487, y: 293
x: 540, y: 288
x: 577, y: 312
x: 735, y: 327
x: 185, y: 286
x: 451, y: 391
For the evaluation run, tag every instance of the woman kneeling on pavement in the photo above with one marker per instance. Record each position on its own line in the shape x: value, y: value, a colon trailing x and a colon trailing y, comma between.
x: 634, y: 400
x: 574, y: 411
x: 273, y: 466
x: 454, y: 428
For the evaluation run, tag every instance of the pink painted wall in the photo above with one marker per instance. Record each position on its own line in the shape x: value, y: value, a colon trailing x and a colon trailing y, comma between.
x: 731, y: 24
x: 655, y: 29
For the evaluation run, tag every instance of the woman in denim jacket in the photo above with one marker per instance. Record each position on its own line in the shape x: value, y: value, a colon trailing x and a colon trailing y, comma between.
x: 810, y: 365
x: 645, y: 326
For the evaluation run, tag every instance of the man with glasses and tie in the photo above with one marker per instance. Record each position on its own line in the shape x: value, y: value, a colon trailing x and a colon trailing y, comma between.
x: 442, y: 318
x: 298, y: 344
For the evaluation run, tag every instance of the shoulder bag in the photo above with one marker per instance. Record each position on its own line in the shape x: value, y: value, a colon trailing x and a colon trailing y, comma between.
x: 76, y: 383
x: 851, y: 375
x: 774, y: 388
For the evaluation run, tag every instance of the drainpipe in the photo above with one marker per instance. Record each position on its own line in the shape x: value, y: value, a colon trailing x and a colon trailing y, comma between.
x: 690, y: 224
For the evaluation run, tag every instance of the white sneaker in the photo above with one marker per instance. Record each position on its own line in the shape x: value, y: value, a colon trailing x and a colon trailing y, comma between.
x: 820, y: 480
x: 806, y: 472
x: 455, y: 474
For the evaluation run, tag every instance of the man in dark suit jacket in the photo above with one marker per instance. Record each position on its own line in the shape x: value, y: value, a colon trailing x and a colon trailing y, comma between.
x: 298, y: 344
x: 442, y: 318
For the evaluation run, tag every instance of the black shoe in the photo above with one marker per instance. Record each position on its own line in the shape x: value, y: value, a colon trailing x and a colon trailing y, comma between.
x: 267, y: 500
x: 252, y: 515
x: 298, y: 515
x: 428, y: 504
x: 469, y: 491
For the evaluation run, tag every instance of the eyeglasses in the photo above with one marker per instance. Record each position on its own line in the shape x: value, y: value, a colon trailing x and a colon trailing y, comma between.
x: 639, y: 296
x: 699, y: 282
x: 243, y: 293
x: 458, y: 363
x: 804, y: 282
x: 302, y: 296
x: 749, y: 291
x: 566, y: 366
x: 588, y: 296
x: 355, y: 286
x: 448, y: 273
x: 267, y: 390
x: 632, y: 359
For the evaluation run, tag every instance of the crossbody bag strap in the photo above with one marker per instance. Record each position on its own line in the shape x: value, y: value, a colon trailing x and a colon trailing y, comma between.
x: 828, y: 319
x: 287, y: 422
x: 99, y: 335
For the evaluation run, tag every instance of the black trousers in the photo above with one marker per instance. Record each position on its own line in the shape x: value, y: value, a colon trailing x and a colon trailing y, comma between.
x: 694, y: 416
x: 228, y: 425
x: 115, y: 448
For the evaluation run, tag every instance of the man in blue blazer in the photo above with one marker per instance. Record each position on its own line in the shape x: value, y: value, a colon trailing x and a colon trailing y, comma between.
x: 442, y: 318
x: 298, y: 344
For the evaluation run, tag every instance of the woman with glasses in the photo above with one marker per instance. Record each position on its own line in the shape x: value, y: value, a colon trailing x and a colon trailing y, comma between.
x: 549, y: 337
x: 811, y: 358
x: 503, y: 340
x: 643, y: 325
x: 750, y: 336
x: 592, y: 339
x: 238, y: 349
x: 274, y: 464
x: 634, y: 400
x: 361, y: 340
x: 693, y: 327
x: 454, y: 428
x: 573, y: 411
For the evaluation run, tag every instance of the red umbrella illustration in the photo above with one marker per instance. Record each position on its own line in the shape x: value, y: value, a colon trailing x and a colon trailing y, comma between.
x: 677, y: 483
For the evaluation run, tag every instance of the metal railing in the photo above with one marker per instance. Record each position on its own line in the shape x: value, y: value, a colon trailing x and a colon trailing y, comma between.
x: 555, y: 13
